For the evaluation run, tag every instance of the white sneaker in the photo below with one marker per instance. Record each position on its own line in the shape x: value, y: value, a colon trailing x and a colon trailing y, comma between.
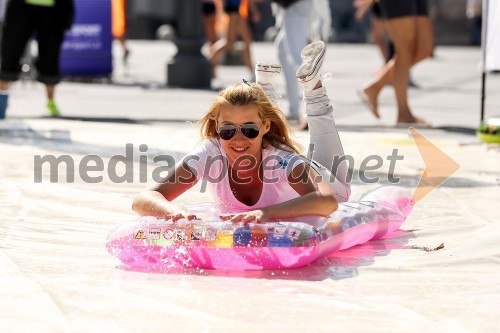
x: 265, y: 75
x: 309, y: 71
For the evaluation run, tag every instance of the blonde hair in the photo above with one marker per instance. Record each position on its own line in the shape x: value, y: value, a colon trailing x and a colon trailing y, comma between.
x: 241, y: 94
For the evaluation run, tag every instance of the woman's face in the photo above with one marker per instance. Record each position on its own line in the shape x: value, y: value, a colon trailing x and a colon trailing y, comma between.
x: 240, y: 146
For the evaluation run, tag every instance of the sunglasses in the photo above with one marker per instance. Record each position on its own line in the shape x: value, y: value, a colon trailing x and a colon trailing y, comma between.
x: 227, y: 132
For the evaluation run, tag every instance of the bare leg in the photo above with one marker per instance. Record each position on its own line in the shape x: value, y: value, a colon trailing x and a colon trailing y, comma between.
x: 246, y: 35
x: 50, y: 91
x: 4, y: 85
x: 378, y: 33
x: 126, y: 51
x: 221, y: 46
x: 425, y: 39
x: 403, y: 34
x: 418, y: 29
x: 209, y: 24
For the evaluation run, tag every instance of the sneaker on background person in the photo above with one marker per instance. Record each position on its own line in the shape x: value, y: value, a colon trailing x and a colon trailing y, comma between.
x: 53, y: 109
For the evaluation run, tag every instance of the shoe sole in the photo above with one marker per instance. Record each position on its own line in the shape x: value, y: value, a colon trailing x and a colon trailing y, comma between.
x: 314, y: 53
x: 268, y: 68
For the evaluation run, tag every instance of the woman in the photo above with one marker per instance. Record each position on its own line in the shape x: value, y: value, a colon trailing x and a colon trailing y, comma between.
x: 209, y: 14
x: 252, y: 166
x: 411, y: 32
x: 237, y: 27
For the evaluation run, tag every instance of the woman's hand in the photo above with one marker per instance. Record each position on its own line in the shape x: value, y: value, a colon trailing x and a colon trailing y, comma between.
x: 181, y: 213
x: 254, y: 216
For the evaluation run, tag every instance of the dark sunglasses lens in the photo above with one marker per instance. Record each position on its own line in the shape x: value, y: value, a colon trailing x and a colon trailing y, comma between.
x: 227, y: 132
x: 251, y: 131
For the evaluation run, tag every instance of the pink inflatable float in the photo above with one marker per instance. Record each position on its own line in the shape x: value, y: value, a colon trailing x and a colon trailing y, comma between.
x: 150, y: 243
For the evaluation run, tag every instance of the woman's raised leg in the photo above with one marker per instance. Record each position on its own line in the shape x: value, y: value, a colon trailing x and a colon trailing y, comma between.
x: 326, y: 147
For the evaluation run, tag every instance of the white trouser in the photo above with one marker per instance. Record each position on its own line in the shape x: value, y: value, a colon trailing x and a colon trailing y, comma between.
x: 326, y: 150
x: 291, y: 39
x: 325, y: 141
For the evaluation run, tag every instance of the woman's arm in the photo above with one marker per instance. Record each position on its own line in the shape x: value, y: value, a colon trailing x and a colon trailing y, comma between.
x: 315, y: 199
x: 157, y: 201
x: 315, y: 196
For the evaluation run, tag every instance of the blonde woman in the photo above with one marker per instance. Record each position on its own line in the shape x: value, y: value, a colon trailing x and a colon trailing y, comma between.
x: 248, y: 160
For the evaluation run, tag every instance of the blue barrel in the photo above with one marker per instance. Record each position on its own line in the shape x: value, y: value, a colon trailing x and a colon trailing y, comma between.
x: 86, y: 50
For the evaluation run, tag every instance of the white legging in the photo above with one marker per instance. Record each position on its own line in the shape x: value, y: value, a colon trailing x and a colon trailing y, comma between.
x: 328, y: 157
x: 291, y: 39
x: 328, y: 153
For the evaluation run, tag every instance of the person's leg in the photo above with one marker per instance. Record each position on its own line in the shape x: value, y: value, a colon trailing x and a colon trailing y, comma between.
x: 423, y: 46
x: 50, y: 39
x: 424, y: 39
x: 379, y: 36
x: 17, y: 31
x: 246, y: 36
x: 403, y: 33
x: 292, y: 38
x: 325, y: 140
x: 265, y: 76
x: 392, y: 10
x: 126, y: 51
x: 221, y: 46
x: 209, y: 25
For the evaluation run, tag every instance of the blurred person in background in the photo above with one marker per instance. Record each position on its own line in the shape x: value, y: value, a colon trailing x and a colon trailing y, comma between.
x: 209, y: 14
x: 379, y: 32
x: 410, y: 29
x: 292, y: 19
x: 119, y: 26
x: 237, y: 27
x: 48, y: 20
x: 300, y: 22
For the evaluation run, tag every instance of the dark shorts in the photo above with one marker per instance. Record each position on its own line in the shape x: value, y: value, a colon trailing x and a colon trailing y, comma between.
x: 208, y: 8
x: 232, y: 6
x: 376, y: 11
x: 23, y: 22
x: 401, y: 8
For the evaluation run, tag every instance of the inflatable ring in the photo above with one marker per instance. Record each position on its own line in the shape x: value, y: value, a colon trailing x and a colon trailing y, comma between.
x: 149, y: 243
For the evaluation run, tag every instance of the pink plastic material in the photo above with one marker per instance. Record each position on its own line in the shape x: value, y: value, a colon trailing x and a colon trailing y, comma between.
x: 150, y: 243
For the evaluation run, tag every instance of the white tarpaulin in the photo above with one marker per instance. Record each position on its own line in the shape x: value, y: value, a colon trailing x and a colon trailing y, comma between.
x: 493, y: 35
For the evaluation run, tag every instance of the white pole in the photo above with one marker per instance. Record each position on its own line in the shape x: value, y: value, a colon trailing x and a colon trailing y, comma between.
x: 484, y: 44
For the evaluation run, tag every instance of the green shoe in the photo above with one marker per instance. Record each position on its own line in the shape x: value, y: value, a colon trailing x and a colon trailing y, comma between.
x: 52, y: 108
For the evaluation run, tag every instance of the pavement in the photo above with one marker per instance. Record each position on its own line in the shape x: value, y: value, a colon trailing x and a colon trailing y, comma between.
x: 52, y: 234
x: 449, y: 93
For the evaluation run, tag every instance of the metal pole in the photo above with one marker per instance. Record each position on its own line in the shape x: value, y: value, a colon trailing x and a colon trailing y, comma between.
x: 189, y: 68
x: 484, y: 44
